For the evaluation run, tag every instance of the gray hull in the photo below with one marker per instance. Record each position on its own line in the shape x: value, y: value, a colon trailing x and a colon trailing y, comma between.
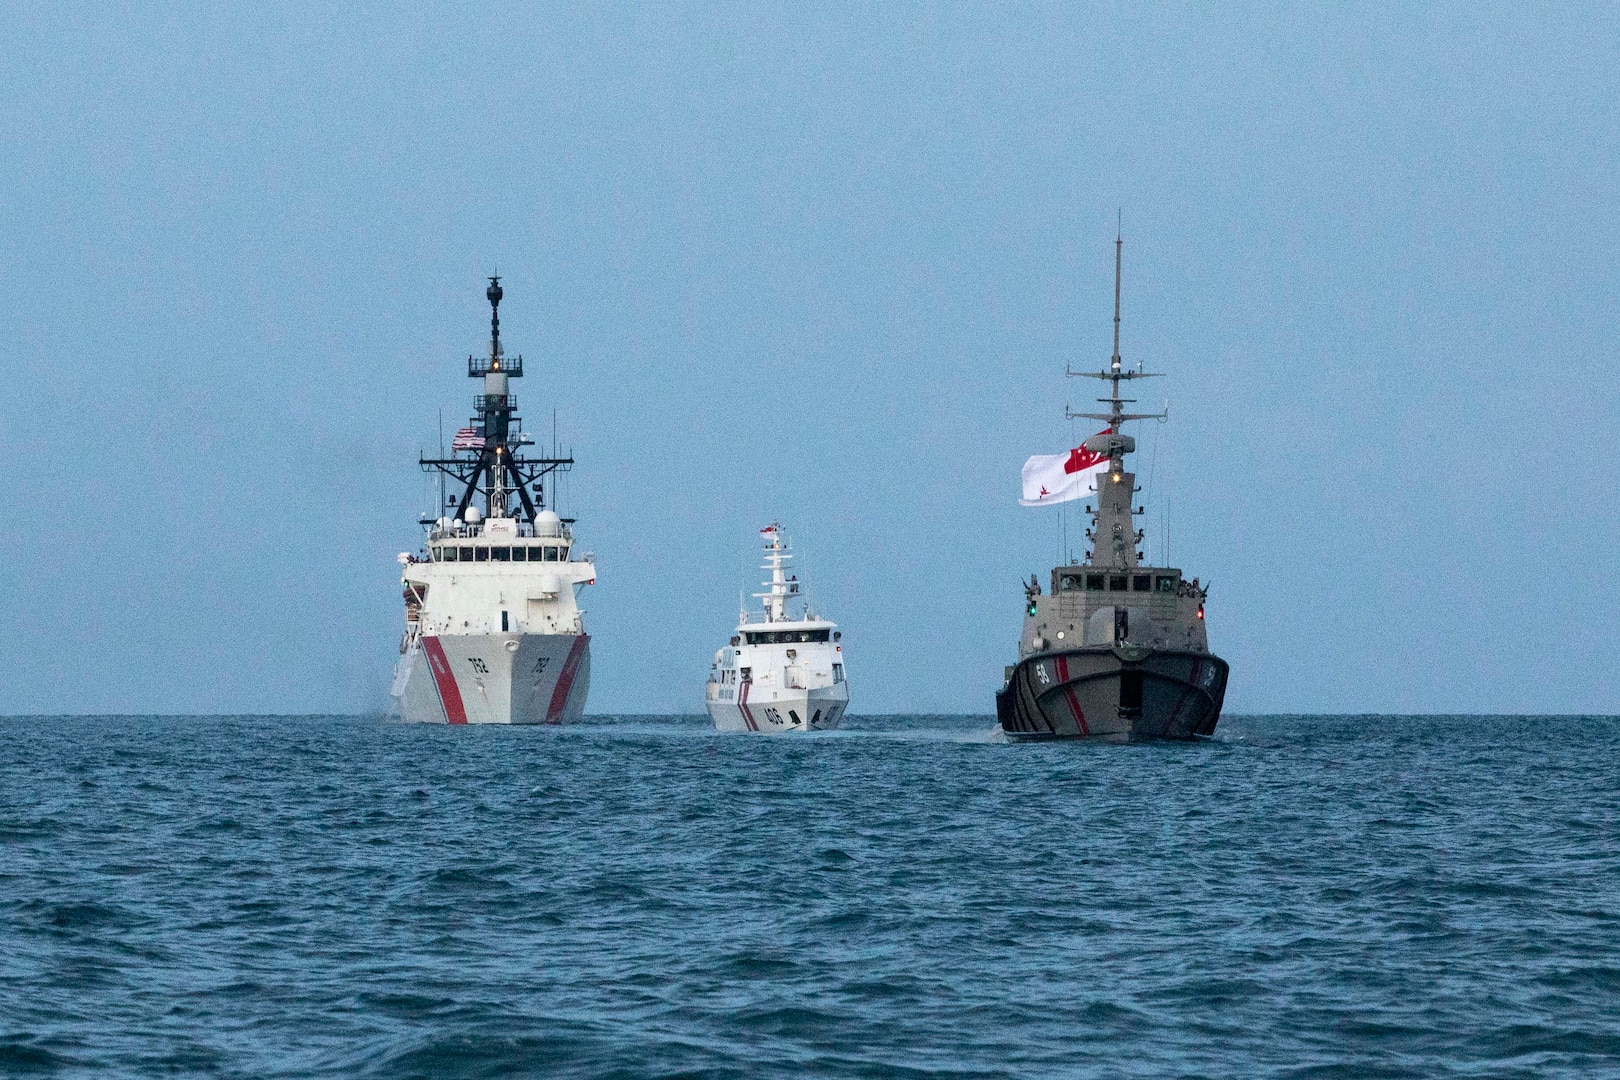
x: 1114, y: 693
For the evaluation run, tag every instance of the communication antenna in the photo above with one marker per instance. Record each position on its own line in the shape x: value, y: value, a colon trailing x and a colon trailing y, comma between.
x: 494, y: 294
x: 1115, y: 374
x: 1119, y: 247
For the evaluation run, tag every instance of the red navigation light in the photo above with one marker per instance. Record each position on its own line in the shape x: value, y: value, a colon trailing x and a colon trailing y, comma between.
x: 1200, y: 611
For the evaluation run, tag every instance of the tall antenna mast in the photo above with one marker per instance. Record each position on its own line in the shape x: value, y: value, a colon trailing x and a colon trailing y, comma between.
x: 498, y: 471
x: 1113, y: 441
x: 494, y: 294
x: 1119, y: 247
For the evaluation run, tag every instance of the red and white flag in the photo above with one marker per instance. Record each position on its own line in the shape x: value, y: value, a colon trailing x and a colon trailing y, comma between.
x: 1055, y: 478
x: 468, y: 438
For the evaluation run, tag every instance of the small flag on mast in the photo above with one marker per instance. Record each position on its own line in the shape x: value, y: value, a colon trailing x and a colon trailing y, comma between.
x: 468, y: 438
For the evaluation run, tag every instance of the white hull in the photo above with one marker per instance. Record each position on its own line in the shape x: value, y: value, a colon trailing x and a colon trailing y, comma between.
x: 789, y: 710
x: 494, y: 679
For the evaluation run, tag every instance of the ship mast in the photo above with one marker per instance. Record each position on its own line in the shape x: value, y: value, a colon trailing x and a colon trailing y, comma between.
x: 1113, y: 517
x: 498, y: 472
x: 781, y: 586
x: 497, y: 407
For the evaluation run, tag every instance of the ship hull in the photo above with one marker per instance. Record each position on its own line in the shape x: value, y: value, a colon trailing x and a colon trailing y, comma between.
x: 1113, y: 694
x: 821, y: 709
x: 494, y: 679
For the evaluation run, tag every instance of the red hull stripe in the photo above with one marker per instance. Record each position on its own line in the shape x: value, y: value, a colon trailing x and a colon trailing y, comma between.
x: 565, y: 680
x: 1068, y: 692
x: 445, y: 680
x: 742, y: 704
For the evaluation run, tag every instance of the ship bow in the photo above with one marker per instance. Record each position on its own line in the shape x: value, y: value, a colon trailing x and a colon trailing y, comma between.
x: 1118, y: 694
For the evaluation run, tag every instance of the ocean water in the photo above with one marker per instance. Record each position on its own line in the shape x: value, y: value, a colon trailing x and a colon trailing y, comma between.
x: 910, y: 897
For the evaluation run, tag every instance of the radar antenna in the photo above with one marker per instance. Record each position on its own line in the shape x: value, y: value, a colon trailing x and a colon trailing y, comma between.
x: 1116, y: 371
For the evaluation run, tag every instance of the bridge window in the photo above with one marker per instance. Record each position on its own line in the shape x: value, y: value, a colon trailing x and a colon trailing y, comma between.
x: 1166, y: 583
x: 1116, y: 583
x: 501, y: 554
x: 551, y: 554
x: 1068, y: 582
x: 787, y: 637
x: 466, y: 554
x: 1142, y: 583
x: 481, y: 554
x: 1094, y: 582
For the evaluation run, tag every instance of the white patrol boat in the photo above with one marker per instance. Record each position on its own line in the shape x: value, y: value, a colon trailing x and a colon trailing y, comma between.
x: 493, y: 633
x: 779, y: 672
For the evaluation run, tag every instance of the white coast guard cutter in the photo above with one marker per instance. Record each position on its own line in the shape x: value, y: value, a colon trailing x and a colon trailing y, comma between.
x: 780, y: 671
x: 493, y: 633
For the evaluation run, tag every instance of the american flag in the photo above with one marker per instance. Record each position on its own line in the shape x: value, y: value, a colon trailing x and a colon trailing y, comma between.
x: 468, y: 438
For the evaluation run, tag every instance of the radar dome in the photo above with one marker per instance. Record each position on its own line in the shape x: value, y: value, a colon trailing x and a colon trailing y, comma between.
x: 547, y: 523
x: 473, y: 515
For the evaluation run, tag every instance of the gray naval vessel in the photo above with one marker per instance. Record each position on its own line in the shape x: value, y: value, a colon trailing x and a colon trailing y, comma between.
x: 1117, y: 650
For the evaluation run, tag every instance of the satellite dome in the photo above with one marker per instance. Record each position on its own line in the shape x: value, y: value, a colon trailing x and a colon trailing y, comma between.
x: 547, y: 523
x: 473, y: 515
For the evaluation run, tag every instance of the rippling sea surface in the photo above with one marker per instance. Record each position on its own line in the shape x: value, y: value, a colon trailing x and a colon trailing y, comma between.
x: 909, y: 897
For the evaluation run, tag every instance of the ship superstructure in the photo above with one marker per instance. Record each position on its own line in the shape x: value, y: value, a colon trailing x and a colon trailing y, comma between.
x: 1117, y: 649
x: 493, y: 629
x: 783, y: 669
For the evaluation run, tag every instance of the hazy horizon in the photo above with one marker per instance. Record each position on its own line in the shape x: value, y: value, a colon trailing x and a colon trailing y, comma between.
x: 824, y: 266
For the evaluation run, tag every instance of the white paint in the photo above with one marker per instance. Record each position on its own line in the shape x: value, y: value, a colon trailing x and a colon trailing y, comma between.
x: 777, y: 685
x: 462, y: 603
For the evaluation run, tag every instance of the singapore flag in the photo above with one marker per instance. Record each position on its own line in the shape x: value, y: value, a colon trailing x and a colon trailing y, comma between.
x: 1055, y: 478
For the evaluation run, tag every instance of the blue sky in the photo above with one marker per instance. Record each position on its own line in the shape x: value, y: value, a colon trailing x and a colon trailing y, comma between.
x: 822, y: 263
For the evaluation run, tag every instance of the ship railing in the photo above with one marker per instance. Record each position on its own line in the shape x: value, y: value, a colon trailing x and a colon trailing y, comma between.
x: 488, y: 402
x: 482, y: 365
x: 565, y: 535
